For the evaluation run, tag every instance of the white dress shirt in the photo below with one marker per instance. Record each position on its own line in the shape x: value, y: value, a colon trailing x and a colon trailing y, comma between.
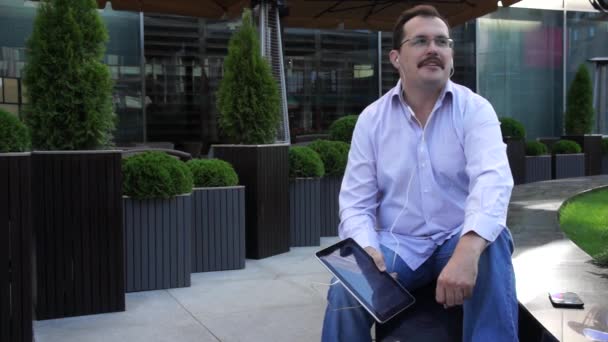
x: 456, y: 168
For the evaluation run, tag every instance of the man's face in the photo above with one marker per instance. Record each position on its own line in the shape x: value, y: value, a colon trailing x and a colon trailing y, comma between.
x: 425, y: 59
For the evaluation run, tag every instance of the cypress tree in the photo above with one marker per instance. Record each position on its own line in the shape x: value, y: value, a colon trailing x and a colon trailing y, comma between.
x: 248, y: 96
x: 579, y: 107
x: 69, y: 88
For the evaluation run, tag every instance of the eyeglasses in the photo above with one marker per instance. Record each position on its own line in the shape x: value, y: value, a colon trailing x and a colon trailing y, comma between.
x: 424, y: 42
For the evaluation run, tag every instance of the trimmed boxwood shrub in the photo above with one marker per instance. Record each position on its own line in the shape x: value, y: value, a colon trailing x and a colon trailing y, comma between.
x: 14, y: 135
x: 605, y: 146
x: 342, y: 129
x: 535, y: 148
x: 566, y: 147
x: 512, y: 128
x: 209, y: 173
x: 304, y: 162
x: 334, y: 155
x: 155, y: 175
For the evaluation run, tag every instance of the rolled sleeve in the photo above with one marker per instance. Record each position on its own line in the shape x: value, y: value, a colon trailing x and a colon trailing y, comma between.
x: 358, y: 194
x: 490, y: 179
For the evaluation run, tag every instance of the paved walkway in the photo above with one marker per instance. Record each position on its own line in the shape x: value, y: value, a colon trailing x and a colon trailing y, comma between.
x: 275, y: 299
x: 545, y: 260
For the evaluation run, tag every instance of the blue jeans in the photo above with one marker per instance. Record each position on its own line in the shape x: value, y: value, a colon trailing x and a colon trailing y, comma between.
x: 489, y: 315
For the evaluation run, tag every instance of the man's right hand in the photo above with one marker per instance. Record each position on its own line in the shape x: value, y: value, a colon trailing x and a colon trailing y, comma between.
x: 377, y: 256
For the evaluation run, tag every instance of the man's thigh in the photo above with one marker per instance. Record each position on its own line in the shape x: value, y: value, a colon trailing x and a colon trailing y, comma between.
x: 409, y: 278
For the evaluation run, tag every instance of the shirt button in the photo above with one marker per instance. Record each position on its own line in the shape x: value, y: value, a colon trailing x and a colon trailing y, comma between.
x: 423, y: 164
x: 426, y: 190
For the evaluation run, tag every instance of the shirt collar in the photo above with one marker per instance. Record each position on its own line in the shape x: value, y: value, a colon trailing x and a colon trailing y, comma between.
x: 397, y: 94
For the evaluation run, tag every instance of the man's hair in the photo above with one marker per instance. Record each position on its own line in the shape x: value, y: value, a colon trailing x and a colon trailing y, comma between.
x: 420, y: 10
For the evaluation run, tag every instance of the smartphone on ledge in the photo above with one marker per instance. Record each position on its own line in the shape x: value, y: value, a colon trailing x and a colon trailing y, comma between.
x: 566, y: 300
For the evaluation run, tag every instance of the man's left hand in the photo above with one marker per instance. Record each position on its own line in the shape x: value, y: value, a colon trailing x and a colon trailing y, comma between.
x: 457, y: 279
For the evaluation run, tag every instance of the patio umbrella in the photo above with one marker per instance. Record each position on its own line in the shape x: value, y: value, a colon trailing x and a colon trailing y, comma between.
x: 347, y: 14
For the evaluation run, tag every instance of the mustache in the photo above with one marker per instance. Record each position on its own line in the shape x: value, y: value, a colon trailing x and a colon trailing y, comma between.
x: 433, y: 60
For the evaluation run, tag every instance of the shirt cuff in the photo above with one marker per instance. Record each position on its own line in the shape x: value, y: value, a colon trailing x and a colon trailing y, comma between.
x: 486, y: 226
x: 365, y: 238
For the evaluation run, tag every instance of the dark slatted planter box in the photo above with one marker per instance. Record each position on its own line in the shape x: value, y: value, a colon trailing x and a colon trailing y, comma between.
x: 218, y: 230
x: 330, y: 208
x: 538, y: 168
x: 568, y: 165
x: 158, y: 243
x: 304, y: 212
x: 78, y: 234
x: 15, y: 248
x: 264, y: 171
x: 605, y: 164
x: 516, y: 152
x: 592, y: 148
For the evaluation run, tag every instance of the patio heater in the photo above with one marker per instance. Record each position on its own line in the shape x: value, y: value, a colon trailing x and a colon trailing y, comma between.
x: 600, y: 91
x: 272, y: 49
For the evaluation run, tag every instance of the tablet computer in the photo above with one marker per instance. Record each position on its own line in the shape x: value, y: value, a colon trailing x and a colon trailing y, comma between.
x: 378, y: 292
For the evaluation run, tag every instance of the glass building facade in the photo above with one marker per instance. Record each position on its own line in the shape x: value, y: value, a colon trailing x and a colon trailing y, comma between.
x: 167, y: 69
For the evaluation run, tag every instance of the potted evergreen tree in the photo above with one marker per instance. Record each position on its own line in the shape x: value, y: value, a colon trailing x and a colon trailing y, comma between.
x: 568, y: 161
x: 249, y: 107
x: 305, y: 170
x: 513, y: 135
x: 218, y: 226
x: 538, y: 162
x: 76, y: 186
x: 579, y: 120
x: 334, y: 155
x: 15, y: 230
x: 158, y: 222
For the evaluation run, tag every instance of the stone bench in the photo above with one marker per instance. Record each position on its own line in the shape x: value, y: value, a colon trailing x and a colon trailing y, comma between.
x: 544, y: 260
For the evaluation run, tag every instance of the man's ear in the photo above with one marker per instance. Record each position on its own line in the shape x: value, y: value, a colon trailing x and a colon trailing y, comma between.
x: 394, y: 58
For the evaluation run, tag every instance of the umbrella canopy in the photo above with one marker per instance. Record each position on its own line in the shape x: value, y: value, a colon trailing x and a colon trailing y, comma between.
x: 348, y: 14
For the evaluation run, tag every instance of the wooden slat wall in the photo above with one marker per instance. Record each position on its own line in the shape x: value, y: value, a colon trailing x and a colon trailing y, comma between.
x: 218, y: 237
x: 158, y: 243
x: 305, y: 211
x: 330, y: 208
x: 78, y: 232
x: 538, y: 168
x: 263, y: 170
x: 15, y: 249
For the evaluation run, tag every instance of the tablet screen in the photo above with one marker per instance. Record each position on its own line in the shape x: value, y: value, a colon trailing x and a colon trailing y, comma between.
x: 378, y: 292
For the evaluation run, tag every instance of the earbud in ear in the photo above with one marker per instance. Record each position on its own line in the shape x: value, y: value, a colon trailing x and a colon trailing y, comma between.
x: 397, y: 59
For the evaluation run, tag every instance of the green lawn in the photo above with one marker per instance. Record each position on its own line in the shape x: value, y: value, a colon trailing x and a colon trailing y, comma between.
x: 585, y: 222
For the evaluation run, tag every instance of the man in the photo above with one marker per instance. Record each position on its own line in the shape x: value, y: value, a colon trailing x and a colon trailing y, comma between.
x: 426, y: 191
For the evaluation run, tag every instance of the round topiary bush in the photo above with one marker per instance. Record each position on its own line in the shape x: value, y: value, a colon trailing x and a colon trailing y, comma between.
x: 566, y: 147
x: 342, y: 129
x: 605, y: 146
x: 334, y: 155
x: 155, y: 175
x: 210, y: 173
x: 535, y: 148
x: 14, y: 135
x: 304, y: 162
x: 512, y: 128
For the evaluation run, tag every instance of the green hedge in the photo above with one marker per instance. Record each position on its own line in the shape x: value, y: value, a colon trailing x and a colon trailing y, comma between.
x: 342, y: 129
x: 155, y: 175
x: 536, y: 148
x: 209, y: 173
x: 14, y: 135
x: 304, y: 162
x: 512, y: 128
x: 334, y: 155
x: 566, y: 147
x: 605, y: 146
